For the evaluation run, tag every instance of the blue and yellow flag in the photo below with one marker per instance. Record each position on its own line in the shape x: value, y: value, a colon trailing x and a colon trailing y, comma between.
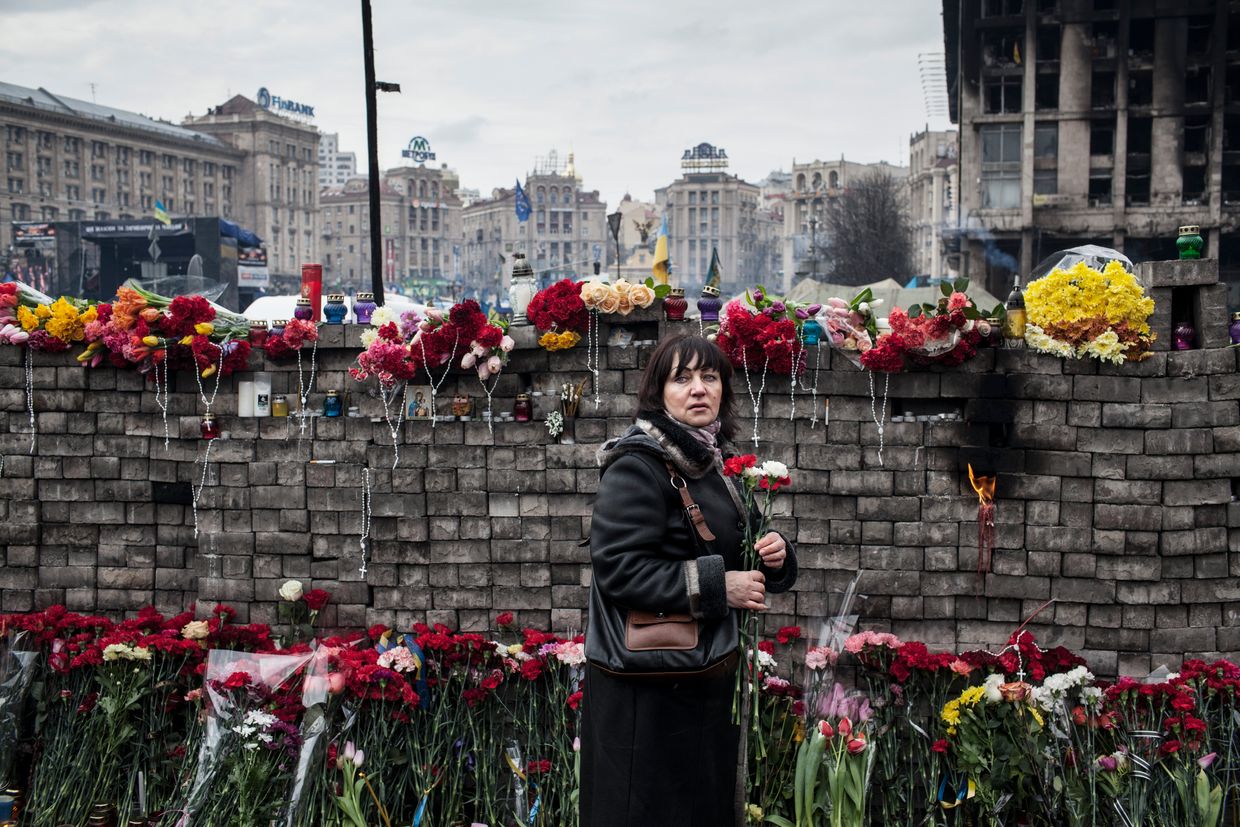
x: 161, y: 214
x: 522, y: 204
x: 662, y: 260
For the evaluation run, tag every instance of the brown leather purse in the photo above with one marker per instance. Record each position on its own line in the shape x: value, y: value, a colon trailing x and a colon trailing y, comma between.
x: 645, y: 631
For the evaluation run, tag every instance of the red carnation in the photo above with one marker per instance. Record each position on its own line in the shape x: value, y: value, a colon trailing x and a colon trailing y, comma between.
x: 237, y: 680
x: 787, y: 634
x: 503, y: 620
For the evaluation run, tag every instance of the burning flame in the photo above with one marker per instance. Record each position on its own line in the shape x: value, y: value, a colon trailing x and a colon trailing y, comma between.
x: 984, y: 486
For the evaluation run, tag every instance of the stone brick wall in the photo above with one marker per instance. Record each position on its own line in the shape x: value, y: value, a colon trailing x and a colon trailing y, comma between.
x: 1114, y: 497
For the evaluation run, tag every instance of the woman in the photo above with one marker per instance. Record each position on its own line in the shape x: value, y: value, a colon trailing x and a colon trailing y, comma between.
x: 658, y: 746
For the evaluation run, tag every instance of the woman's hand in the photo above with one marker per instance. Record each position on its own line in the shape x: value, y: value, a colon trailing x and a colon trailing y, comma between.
x: 746, y: 590
x: 772, y: 549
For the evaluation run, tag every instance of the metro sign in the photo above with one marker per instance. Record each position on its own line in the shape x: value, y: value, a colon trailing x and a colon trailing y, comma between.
x: 419, y: 151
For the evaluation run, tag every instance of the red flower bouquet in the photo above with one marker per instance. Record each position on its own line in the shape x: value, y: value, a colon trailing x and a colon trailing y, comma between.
x: 559, y: 307
x: 755, y: 338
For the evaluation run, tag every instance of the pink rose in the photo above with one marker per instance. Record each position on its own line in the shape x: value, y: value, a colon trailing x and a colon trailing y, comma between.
x: 957, y: 301
x: 864, y: 343
x: 494, y: 365
x: 335, y: 683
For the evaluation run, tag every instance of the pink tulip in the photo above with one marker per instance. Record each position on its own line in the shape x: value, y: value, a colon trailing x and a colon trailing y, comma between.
x: 845, y: 726
x: 434, y: 314
x: 494, y: 365
x: 358, y: 758
x: 506, y: 344
x: 1108, y: 763
x: 856, y: 745
x: 825, y: 728
x: 1206, y: 760
x: 484, y: 373
x: 469, y: 360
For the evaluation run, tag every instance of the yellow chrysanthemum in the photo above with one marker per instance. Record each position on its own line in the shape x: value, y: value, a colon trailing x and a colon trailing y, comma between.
x: 29, y: 321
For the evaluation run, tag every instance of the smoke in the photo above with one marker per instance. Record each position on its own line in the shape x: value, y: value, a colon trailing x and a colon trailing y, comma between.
x: 990, y: 248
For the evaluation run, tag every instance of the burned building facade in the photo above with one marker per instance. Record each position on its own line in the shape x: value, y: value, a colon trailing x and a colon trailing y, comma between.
x: 1093, y: 121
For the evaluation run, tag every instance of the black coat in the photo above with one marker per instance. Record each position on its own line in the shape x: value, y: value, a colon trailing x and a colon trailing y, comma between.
x: 644, y: 551
x: 662, y: 751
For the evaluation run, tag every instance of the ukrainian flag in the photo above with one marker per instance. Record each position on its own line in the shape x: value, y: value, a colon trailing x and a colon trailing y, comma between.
x: 662, y: 261
x: 161, y: 214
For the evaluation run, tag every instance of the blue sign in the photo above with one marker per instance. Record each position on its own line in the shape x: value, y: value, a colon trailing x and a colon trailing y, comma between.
x: 419, y: 150
x: 281, y: 105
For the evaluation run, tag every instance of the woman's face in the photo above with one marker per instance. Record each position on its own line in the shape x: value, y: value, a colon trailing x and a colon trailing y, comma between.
x: 691, y: 395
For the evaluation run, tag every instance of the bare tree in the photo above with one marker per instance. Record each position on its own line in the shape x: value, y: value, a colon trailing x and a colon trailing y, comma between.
x: 867, y: 232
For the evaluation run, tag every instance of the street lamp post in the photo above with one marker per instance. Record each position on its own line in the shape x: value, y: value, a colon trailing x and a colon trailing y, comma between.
x: 813, y: 246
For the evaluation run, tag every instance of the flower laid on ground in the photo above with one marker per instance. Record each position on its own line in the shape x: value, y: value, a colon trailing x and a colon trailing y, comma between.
x: 1082, y: 312
x: 559, y: 308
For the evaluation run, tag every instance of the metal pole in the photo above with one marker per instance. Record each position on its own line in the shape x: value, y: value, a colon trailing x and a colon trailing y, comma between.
x: 372, y: 145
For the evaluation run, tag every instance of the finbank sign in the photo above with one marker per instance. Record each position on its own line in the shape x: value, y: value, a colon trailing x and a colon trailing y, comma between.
x: 281, y: 105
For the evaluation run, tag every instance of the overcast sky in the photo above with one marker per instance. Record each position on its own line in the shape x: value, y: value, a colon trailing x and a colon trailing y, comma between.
x: 493, y: 84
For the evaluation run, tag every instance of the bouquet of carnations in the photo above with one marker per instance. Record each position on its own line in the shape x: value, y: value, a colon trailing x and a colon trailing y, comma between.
x: 1082, y: 311
x: 288, y: 343
x: 763, y: 332
x: 251, y: 744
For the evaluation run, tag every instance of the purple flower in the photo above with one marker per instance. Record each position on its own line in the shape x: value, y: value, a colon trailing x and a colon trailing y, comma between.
x: 778, y: 306
x: 757, y: 295
x: 802, y: 313
x: 814, y: 309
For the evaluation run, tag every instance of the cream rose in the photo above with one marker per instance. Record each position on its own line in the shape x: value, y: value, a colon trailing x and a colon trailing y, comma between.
x: 610, y: 304
x: 625, y: 305
x: 641, y: 295
x: 593, y: 293
x: 195, y: 630
x: 291, y: 591
x: 622, y: 287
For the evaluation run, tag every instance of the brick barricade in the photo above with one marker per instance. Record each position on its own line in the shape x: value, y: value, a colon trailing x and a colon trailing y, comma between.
x: 1114, y: 496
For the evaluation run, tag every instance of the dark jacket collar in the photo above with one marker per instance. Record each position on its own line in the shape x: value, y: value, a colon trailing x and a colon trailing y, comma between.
x: 661, y: 436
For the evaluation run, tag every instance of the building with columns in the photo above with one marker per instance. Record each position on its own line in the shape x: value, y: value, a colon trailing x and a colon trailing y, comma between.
x: 933, y: 182
x: 72, y: 160
x: 563, y: 237
x: 278, y: 193
x: 421, y: 232
x: 815, y: 184
x: 707, y: 209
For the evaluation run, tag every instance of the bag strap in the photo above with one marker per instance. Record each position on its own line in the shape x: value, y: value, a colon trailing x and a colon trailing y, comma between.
x: 691, y: 508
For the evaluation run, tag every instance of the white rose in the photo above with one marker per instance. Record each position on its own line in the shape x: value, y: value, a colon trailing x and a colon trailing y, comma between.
x: 291, y: 591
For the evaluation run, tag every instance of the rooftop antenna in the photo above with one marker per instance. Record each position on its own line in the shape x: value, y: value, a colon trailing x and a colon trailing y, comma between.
x: 92, y: 93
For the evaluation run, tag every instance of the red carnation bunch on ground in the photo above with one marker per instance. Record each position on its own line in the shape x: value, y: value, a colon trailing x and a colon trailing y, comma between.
x: 559, y: 308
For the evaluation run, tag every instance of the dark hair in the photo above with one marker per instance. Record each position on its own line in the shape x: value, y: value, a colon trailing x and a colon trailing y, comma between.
x: 686, y: 350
